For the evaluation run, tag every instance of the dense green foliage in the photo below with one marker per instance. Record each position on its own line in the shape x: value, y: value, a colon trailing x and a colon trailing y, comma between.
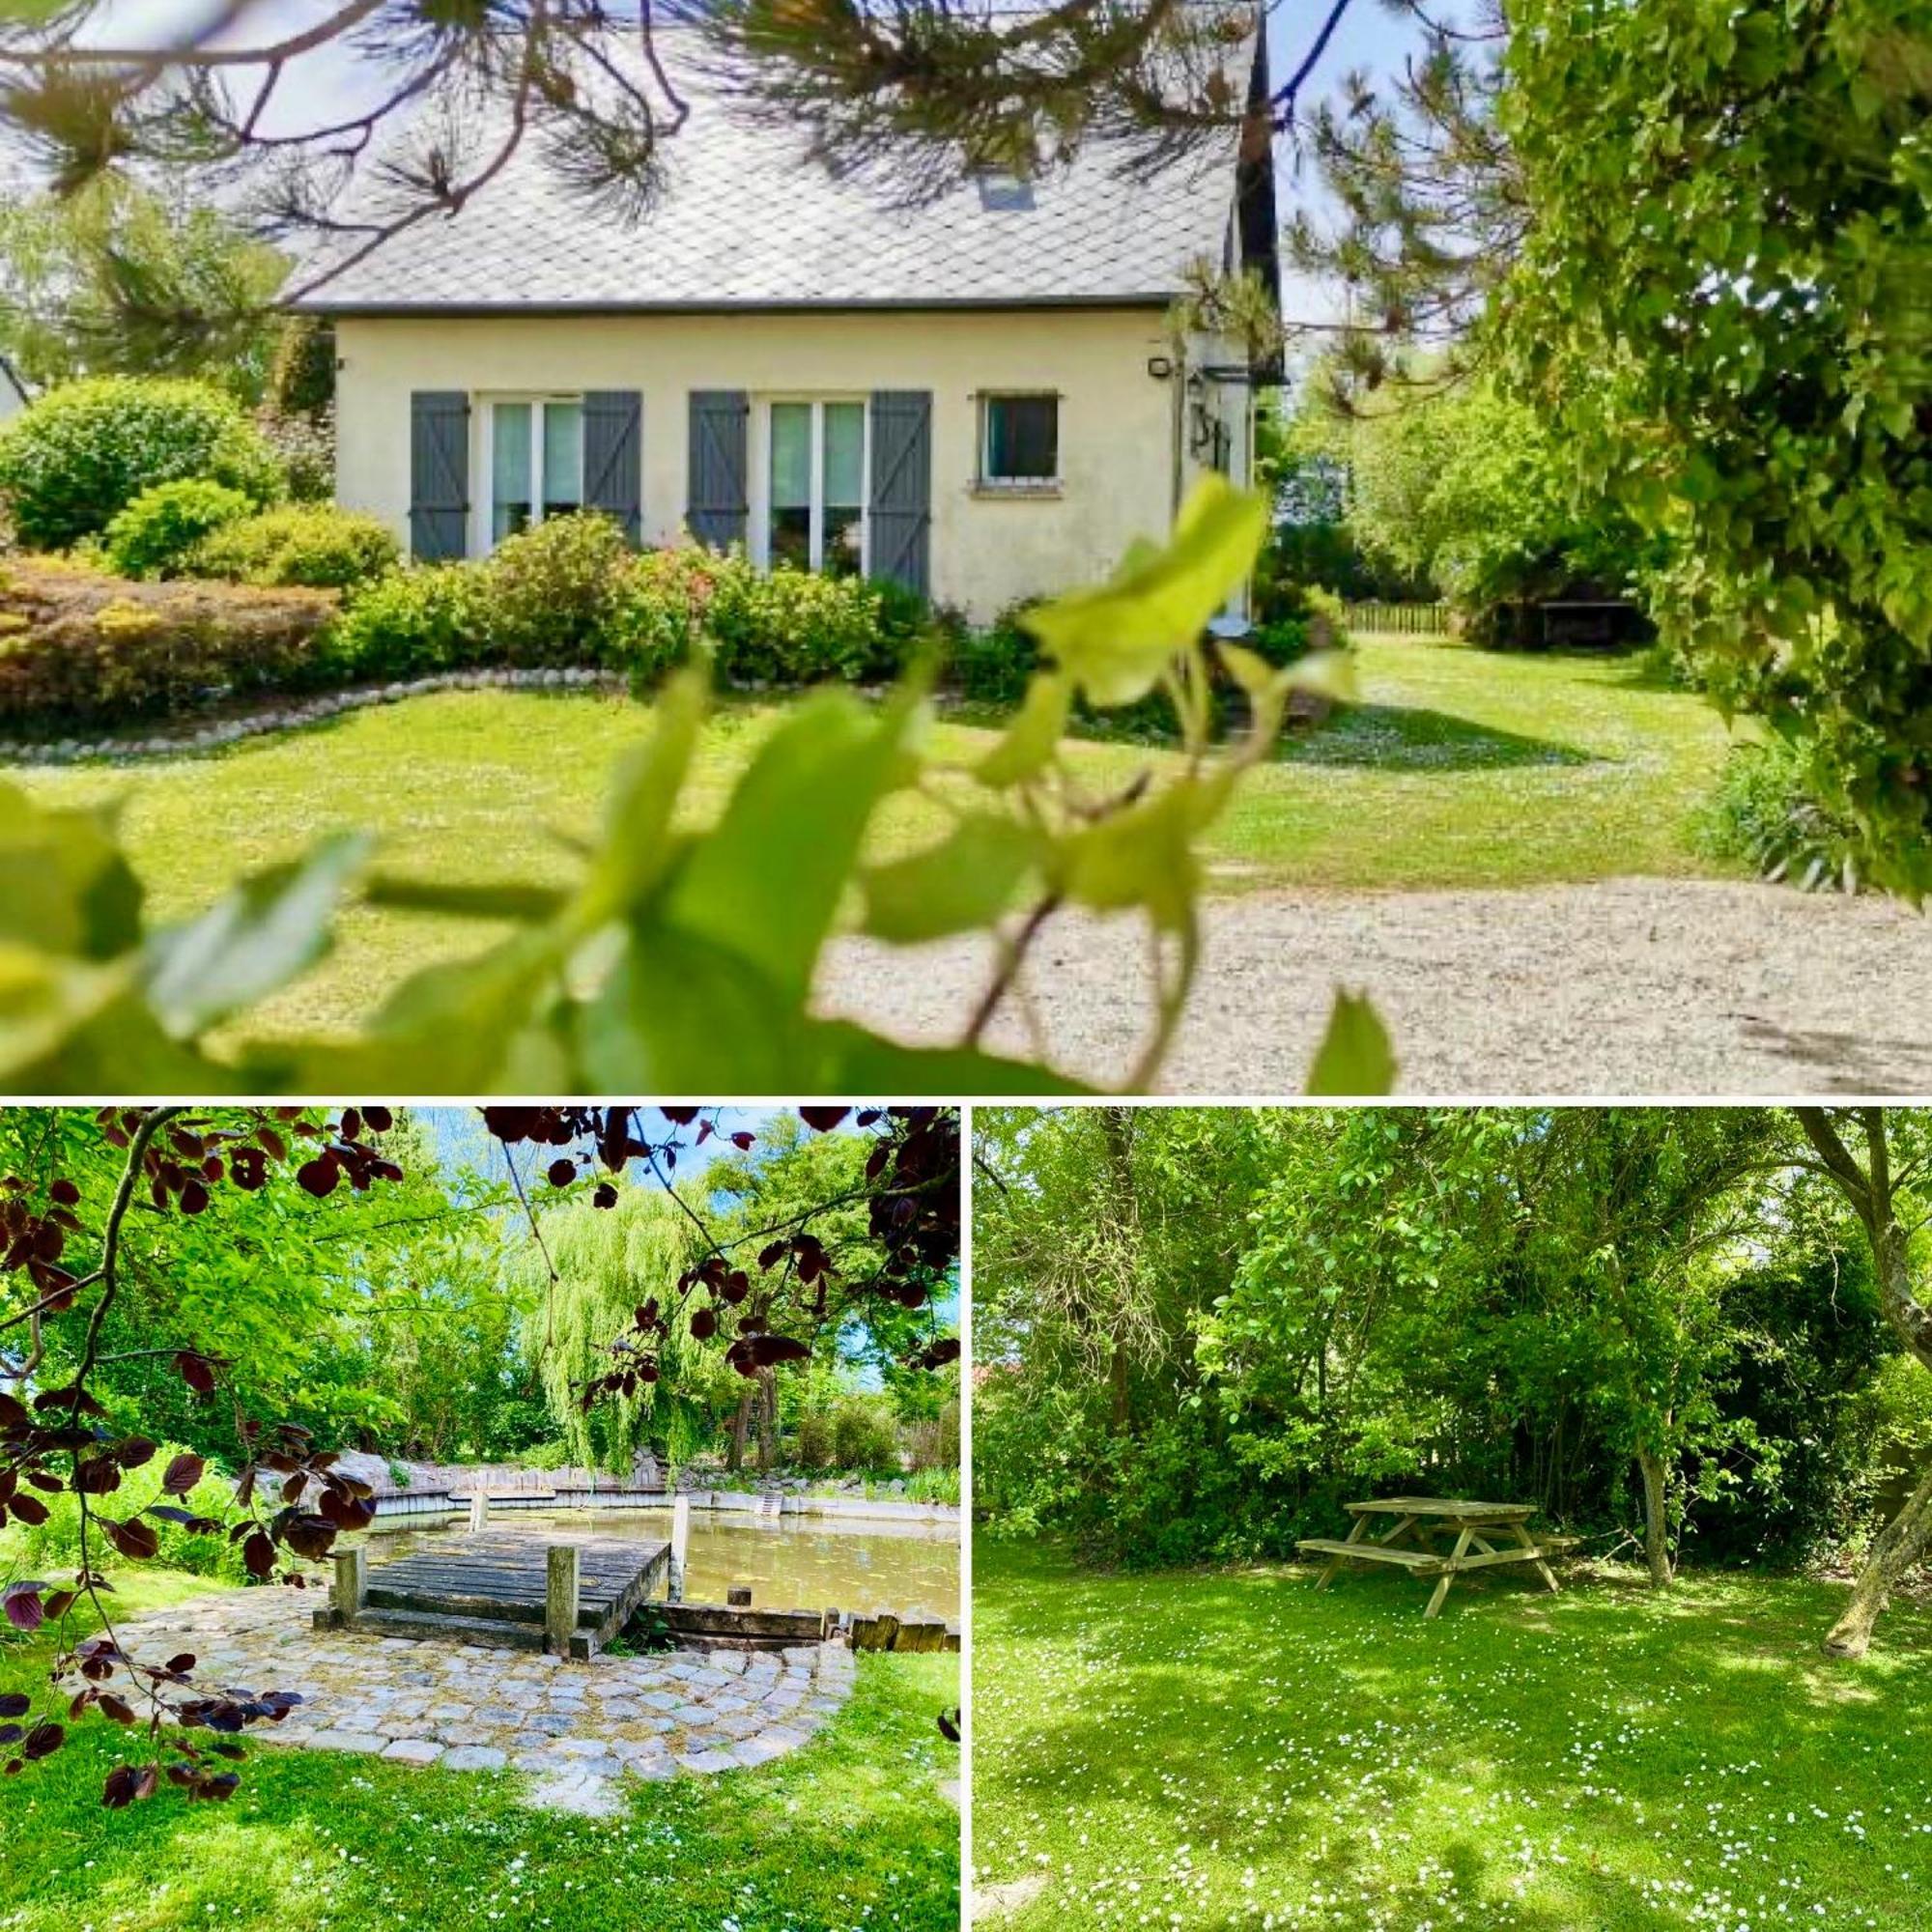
x: 1205, y: 1330
x: 153, y: 535
x: 74, y: 457
x: 421, y: 1321
x: 1210, y: 1750
x: 1467, y: 491
x: 312, y: 545
x: 1721, y: 313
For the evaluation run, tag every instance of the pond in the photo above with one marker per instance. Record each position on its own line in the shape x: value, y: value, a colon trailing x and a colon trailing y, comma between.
x: 799, y: 1563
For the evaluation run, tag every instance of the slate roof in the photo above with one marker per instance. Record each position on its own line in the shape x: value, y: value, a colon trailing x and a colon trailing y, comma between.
x: 751, y: 221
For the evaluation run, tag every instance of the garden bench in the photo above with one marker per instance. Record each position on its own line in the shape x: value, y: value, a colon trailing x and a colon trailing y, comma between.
x: 1486, y: 1534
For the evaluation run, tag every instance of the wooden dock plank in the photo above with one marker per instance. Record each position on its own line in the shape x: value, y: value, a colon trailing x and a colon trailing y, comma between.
x: 493, y: 1589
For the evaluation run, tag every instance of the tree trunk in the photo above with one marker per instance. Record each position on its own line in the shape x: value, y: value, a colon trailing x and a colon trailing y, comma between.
x: 768, y: 1420
x: 734, y: 1459
x: 1903, y: 1543
x: 1656, y: 1519
x: 1117, y: 1127
x: 1906, y: 1539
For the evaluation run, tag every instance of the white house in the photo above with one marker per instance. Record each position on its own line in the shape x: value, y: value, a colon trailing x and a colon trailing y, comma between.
x: 981, y: 396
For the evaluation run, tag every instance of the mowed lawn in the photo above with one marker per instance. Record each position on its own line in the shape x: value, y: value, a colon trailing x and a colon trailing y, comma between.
x: 1456, y: 768
x: 850, y: 1833
x: 1232, y: 1750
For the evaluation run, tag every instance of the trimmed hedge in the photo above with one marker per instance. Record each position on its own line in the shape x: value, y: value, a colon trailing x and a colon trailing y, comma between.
x: 79, y: 455
x: 80, y: 647
x: 310, y: 546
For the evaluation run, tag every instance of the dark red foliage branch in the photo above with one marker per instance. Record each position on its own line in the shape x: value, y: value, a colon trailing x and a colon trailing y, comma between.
x: 174, y: 1163
x: 911, y: 1192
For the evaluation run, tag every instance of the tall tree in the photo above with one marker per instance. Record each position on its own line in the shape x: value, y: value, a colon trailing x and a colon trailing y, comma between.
x: 1886, y: 1190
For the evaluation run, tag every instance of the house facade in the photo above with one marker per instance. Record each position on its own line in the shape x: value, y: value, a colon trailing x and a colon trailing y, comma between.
x: 986, y: 397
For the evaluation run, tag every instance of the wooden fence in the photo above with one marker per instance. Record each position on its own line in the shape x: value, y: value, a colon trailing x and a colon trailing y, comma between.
x: 1409, y: 620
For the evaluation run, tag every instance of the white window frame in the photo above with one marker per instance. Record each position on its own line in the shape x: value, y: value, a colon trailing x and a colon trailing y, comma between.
x: 483, y: 411
x: 759, y: 547
x: 1017, y: 485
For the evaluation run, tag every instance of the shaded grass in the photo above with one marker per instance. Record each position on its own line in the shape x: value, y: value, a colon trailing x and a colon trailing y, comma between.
x: 848, y: 1831
x: 1459, y: 768
x: 1230, y: 1748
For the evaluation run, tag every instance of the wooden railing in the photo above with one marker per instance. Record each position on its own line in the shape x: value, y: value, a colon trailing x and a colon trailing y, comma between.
x: 1408, y: 620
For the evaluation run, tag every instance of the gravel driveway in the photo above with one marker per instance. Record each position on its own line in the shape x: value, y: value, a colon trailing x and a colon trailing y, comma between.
x: 1654, y: 986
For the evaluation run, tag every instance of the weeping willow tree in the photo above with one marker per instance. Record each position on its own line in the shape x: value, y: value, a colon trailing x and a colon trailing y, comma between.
x: 606, y: 1262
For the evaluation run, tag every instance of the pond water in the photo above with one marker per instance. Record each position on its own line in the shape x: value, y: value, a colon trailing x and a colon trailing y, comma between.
x: 799, y: 1563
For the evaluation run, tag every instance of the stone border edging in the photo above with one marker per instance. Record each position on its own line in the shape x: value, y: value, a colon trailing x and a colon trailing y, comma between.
x: 292, y: 716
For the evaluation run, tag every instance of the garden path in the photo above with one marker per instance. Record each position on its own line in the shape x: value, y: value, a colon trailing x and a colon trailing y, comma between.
x: 580, y: 1729
x: 1656, y: 986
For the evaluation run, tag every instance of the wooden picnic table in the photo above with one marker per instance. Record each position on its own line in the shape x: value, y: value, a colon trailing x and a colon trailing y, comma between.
x: 1486, y: 1534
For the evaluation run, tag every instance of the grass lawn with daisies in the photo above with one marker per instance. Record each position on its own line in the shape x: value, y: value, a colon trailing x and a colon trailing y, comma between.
x: 850, y: 1833
x: 1455, y: 768
x: 1232, y: 1750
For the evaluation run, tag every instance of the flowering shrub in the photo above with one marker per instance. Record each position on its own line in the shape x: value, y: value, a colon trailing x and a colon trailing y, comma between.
x: 548, y: 594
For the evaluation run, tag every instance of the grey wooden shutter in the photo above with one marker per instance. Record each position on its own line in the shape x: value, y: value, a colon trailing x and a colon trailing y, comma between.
x: 717, y: 504
x: 439, y: 474
x: 901, y: 506
x: 614, y: 456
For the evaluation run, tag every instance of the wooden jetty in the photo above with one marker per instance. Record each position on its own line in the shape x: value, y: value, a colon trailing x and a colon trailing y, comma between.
x: 509, y: 1592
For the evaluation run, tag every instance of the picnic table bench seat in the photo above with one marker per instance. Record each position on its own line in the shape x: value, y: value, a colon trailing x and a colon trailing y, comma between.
x: 1423, y: 1562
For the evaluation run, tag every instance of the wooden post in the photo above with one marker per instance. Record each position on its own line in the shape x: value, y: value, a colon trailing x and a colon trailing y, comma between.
x: 479, y: 1512
x: 560, y: 1600
x: 352, y: 1580
x: 680, y: 1543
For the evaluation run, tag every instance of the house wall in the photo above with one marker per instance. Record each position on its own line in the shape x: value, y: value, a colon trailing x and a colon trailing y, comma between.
x: 1117, y: 422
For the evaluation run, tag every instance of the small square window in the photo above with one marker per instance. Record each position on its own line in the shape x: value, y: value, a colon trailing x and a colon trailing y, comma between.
x: 1020, y: 440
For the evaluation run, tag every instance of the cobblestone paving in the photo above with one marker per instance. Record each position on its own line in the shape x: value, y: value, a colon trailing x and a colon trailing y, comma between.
x: 580, y: 1729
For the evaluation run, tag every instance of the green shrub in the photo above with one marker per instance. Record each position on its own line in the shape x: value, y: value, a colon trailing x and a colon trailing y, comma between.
x: 79, y: 455
x: 551, y: 591
x: 552, y: 1455
x: 814, y: 1444
x: 152, y: 536
x: 314, y: 545
x: 76, y: 648
x: 658, y: 619
x: 411, y: 623
x: 1763, y: 813
x: 54, y: 1545
x: 991, y: 667
x: 788, y: 626
x: 933, y: 1486
x: 862, y: 1435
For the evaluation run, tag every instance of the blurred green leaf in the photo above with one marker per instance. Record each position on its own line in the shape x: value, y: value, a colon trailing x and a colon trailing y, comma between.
x: 253, y: 941
x: 966, y: 880
x: 1117, y: 641
x: 1355, y: 1057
